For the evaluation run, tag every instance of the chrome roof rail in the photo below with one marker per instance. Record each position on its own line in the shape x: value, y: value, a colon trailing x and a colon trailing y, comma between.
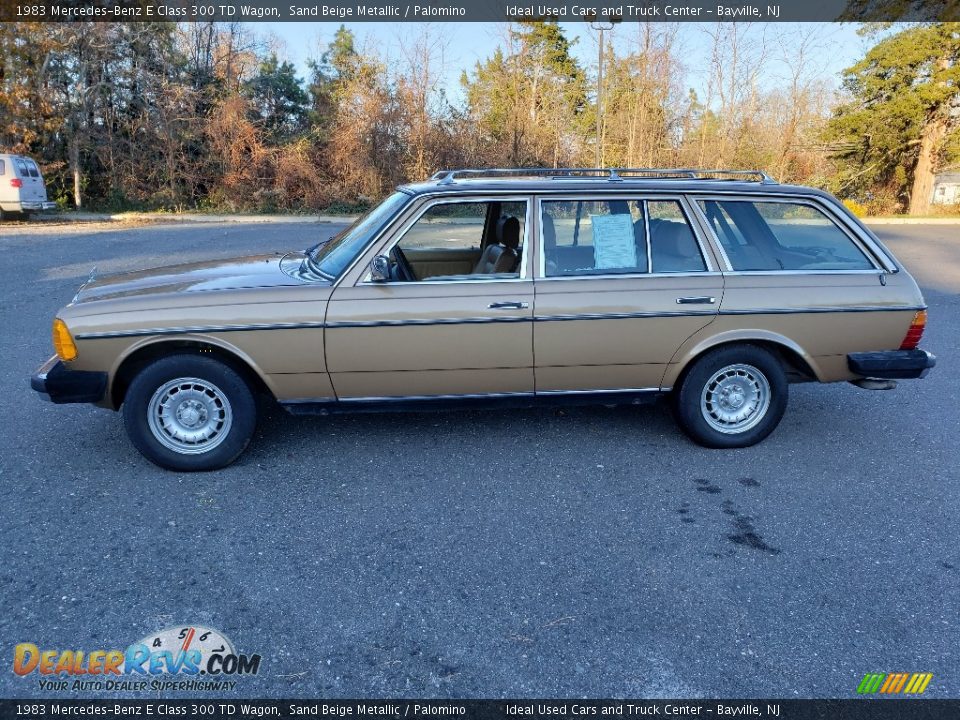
x: 447, y: 177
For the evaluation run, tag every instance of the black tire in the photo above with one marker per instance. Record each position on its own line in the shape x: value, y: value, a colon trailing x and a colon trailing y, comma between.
x: 220, y: 404
x: 746, y: 373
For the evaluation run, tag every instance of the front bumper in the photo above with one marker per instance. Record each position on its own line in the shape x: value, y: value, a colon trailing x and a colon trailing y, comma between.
x: 892, y: 364
x: 31, y: 205
x: 62, y: 385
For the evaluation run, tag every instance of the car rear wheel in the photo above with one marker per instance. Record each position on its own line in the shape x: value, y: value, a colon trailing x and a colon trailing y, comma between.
x: 189, y: 413
x: 732, y: 397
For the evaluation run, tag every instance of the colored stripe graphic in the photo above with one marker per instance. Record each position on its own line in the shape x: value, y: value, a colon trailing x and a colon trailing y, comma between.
x: 871, y: 683
x: 894, y: 683
x: 918, y: 683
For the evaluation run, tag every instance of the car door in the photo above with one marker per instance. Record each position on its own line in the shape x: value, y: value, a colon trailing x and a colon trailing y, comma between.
x: 622, y: 280
x: 32, y: 190
x: 454, y: 335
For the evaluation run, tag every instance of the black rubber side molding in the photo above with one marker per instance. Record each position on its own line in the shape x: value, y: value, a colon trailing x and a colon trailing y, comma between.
x: 892, y: 364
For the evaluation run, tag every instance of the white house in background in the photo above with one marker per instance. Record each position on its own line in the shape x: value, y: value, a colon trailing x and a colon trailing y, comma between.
x: 946, y: 187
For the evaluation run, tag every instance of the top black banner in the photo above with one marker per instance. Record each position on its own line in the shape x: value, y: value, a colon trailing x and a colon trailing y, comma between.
x: 479, y: 10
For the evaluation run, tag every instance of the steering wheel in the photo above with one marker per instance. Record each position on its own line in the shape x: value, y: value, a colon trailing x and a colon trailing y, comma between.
x: 404, y: 268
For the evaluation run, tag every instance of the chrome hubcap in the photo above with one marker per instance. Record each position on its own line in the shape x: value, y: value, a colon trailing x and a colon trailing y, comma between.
x: 735, y: 399
x: 189, y: 416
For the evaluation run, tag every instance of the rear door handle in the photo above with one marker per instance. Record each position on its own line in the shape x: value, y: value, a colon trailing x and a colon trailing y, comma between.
x: 509, y: 305
x: 696, y: 300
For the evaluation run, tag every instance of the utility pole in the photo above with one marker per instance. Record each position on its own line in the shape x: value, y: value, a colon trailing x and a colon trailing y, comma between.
x: 601, y: 26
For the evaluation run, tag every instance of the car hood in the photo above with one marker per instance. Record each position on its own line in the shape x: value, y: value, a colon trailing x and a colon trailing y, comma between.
x: 255, y: 271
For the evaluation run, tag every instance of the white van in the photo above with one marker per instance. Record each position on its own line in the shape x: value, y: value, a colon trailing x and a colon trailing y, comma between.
x: 21, y: 187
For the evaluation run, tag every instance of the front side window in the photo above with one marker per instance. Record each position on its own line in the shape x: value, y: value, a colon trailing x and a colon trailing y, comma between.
x: 762, y: 235
x: 462, y: 241
x: 617, y: 236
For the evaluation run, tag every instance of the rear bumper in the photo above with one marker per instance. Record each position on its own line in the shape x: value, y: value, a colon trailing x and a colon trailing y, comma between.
x: 892, y: 364
x: 33, y: 206
x: 62, y: 385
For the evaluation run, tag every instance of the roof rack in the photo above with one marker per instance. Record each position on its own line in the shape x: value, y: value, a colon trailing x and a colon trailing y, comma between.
x: 447, y: 177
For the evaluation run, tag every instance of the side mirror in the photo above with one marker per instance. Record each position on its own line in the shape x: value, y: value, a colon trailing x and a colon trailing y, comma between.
x: 380, y: 269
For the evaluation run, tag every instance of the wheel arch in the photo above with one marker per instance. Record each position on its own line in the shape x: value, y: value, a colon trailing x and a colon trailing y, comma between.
x: 799, y: 365
x: 140, y: 355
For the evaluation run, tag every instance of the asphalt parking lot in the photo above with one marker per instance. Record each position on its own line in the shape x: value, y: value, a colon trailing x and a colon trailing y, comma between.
x: 590, y: 552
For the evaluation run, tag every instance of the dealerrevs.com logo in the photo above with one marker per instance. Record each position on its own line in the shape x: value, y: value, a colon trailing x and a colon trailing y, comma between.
x: 190, y: 657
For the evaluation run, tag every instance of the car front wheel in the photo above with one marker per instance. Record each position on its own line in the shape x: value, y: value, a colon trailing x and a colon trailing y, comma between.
x: 732, y: 397
x: 190, y: 413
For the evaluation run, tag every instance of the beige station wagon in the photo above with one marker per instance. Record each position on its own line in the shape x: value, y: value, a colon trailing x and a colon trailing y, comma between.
x: 506, y: 287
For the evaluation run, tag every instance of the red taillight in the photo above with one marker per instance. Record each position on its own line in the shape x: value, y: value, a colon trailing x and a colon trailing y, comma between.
x: 16, y: 182
x: 912, y: 338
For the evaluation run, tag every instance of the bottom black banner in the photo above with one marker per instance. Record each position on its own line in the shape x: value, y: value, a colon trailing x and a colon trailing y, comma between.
x: 875, y: 709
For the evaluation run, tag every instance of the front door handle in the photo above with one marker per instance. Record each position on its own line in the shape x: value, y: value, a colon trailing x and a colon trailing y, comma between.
x: 696, y: 300
x: 510, y: 305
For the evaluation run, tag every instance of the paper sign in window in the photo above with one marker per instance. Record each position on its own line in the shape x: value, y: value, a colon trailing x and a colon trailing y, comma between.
x: 613, y: 242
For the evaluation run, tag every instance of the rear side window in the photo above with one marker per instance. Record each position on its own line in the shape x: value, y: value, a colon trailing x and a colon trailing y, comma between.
x: 617, y: 236
x: 761, y: 235
x: 3, y: 167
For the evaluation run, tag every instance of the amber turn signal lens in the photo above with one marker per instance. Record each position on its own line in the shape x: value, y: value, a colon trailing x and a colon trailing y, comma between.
x: 62, y: 341
x: 912, y: 338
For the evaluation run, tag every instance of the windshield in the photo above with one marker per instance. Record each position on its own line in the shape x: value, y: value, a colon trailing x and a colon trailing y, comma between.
x: 332, y: 257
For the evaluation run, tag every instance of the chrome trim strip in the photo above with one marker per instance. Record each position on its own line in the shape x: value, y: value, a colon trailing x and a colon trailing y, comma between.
x: 197, y: 329
x: 804, y: 311
x: 536, y: 318
x: 631, y: 276
x: 624, y: 316
x: 425, y: 321
x: 646, y: 230
x: 467, y: 396
x: 777, y: 273
x: 599, y: 392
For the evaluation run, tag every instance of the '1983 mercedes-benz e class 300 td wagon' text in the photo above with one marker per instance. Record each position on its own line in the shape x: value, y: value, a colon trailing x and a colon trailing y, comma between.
x: 510, y: 286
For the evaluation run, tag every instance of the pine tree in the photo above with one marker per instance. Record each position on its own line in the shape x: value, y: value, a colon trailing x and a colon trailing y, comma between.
x: 900, y: 122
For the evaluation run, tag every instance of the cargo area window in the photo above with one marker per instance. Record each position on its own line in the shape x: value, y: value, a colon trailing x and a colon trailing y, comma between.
x: 781, y: 235
x: 617, y: 236
x: 3, y: 167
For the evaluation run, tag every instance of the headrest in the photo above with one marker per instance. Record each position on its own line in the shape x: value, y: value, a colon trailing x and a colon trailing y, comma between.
x: 673, y: 238
x: 508, y: 232
x: 549, y: 232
